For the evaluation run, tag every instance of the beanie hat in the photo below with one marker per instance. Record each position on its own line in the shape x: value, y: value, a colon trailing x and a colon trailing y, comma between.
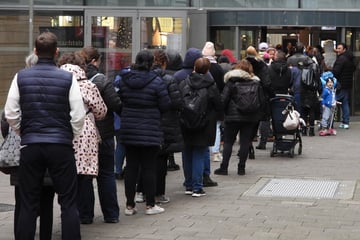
x: 208, y: 49
x: 229, y: 54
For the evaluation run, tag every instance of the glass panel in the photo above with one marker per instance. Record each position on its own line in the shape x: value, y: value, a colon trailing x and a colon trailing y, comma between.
x: 139, y: 3
x: 113, y: 38
x: 161, y: 33
x: 42, y: 2
x: 223, y: 38
x: 14, y: 39
x: 250, y: 4
x: 326, y: 4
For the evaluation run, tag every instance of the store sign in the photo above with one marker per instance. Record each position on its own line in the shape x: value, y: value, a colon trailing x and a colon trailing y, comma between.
x: 67, y: 36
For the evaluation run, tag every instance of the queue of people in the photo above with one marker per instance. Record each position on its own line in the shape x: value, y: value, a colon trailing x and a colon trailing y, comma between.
x: 71, y: 140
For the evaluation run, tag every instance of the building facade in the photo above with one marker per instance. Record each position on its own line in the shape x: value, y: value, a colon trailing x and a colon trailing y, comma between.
x: 121, y: 28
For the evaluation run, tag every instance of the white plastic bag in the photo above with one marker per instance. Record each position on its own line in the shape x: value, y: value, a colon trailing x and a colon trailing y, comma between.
x: 292, y: 120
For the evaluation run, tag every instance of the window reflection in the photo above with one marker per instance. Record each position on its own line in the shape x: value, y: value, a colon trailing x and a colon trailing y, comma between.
x: 161, y: 33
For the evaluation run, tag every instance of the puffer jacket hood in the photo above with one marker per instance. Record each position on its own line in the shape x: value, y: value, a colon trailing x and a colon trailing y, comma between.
x: 190, y: 57
x: 238, y: 73
x: 138, y: 79
x: 197, y: 81
x: 91, y: 70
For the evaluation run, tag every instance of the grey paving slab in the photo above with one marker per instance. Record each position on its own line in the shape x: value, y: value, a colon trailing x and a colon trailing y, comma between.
x: 228, y: 213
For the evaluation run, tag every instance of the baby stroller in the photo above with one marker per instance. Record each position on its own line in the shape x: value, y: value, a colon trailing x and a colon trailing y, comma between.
x: 285, y: 140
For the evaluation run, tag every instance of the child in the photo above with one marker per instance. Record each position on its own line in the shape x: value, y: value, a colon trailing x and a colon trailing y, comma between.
x: 328, y: 105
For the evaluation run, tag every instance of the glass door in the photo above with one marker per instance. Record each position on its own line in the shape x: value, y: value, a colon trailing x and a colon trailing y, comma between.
x: 112, y: 34
x: 120, y: 35
x: 163, y: 31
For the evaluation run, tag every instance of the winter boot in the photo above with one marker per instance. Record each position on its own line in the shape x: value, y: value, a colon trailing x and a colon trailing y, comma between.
x: 207, y: 182
x: 311, y: 131
x: 172, y: 166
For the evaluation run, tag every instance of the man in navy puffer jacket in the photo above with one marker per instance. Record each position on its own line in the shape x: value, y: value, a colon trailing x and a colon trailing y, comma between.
x: 45, y: 107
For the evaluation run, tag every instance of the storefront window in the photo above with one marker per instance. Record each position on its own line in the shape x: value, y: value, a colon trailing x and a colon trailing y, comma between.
x: 14, y: 39
x: 161, y: 33
x: 112, y: 36
x: 223, y: 38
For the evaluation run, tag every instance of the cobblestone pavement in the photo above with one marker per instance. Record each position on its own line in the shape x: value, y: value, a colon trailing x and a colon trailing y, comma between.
x: 235, y: 210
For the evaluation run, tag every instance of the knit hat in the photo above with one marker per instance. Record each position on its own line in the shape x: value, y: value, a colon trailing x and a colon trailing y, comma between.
x: 208, y: 49
x: 229, y: 54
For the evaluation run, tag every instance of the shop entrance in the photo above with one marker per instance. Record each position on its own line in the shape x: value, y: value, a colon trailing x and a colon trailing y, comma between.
x: 238, y: 38
x: 119, y: 36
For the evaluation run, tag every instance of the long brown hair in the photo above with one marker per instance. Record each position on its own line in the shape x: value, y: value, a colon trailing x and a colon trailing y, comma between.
x: 246, y: 66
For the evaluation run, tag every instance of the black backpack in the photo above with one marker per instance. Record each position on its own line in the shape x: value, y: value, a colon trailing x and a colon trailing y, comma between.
x: 310, y: 77
x: 248, y: 96
x: 194, y: 111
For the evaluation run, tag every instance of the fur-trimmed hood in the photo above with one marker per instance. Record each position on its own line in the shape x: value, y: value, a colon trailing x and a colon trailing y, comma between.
x: 238, y: 73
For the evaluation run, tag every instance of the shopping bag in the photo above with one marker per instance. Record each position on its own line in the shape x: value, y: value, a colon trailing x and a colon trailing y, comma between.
x: 10, y: 150
x: 292, y: 120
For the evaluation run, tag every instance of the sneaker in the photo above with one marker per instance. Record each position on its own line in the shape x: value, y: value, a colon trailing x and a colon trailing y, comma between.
x: 344, y: 126
x: 188, y: 191
x: 130, y: 211
x: 198, y: 193
x: 154, y: 210
x: 332, y: 131
x: 221, y: 171
x: 139, y: 198
x: 323, y: 132
x: 217, y: 157
x: 162, y: 199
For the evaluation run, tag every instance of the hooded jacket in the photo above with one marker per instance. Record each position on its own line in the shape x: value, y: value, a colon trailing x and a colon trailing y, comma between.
x: 173, y: 140
x: 111, y: 99
x: 232, y: 114
x: 144, y: 97
x: 191, y: 56
x: 280, y: 77
x: 206, y: 136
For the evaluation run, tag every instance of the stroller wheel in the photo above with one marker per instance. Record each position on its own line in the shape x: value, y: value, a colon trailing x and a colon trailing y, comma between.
x: 272, y: 154
x: 292, y: 152
x: 300, y: 149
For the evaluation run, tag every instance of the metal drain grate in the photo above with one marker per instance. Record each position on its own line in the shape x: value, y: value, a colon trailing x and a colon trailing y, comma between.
x: 302, y: 188
x: 299, y: 188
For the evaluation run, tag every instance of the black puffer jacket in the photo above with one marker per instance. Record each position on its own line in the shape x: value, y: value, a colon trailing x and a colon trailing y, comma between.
x: 206, y: 136
x: 110, y: 97
x: 280, y: 77
x: 261, y: 70
x: 173, y: 140
x: 145, y: 97
x: 343, y: 70
x: 232, y: 114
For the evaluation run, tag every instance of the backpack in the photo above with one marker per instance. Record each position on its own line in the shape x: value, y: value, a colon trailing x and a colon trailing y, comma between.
x: 193, y: 114
x: 248, y: 96
x: 309, y: 75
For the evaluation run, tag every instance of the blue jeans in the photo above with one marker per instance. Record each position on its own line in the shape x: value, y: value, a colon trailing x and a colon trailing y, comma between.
x: 193, y: 164
x: 326, y: 117
x: 106, y: 186
x: 216, y: 147
x: 207, y: 163
x: 119, y: 155
x: 343, y: 96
